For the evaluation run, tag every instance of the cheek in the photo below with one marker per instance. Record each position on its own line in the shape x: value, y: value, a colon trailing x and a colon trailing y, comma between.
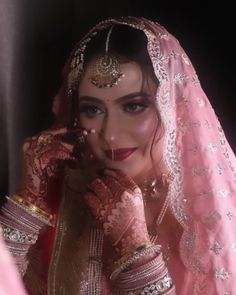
x: 93, y: 143
x: 144, y: 130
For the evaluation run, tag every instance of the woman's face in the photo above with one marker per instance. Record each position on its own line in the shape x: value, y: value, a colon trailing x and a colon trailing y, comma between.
x: 124, y: 119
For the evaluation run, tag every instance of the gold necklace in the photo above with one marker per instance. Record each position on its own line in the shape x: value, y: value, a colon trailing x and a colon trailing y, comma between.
x: 152, y: 230
x: 150, y: 190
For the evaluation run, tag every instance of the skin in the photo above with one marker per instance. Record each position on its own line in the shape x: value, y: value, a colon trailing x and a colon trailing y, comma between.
x: 124, y: 116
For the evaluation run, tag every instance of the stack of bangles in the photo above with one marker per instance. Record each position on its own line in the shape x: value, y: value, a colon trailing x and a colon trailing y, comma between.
x: 150, y: 278
x: 21, y: 222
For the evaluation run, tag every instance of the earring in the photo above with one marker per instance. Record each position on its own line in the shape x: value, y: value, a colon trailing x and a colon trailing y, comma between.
x: 75, y: 123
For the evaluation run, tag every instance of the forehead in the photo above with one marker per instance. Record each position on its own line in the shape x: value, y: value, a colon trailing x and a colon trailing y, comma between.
x: 132, y: 81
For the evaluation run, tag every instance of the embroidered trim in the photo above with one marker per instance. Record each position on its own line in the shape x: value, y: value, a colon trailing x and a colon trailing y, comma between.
x: 95, y: 261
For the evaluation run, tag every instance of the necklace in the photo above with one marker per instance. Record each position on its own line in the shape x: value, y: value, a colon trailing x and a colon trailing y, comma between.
x: 150, y: 190
x: 153, y: 228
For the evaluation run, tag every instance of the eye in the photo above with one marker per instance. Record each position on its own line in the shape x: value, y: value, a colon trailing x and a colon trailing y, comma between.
x: 90, y: 110
x: 135, y: 107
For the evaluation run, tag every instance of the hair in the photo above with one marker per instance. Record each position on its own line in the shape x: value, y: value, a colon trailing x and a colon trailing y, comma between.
x: 126, y: 43
x: 129, y: 45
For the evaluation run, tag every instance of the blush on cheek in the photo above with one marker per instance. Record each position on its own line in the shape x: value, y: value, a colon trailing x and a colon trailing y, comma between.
x: 145, y: 132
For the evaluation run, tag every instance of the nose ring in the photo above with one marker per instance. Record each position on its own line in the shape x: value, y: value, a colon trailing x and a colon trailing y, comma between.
x: 112, y: 154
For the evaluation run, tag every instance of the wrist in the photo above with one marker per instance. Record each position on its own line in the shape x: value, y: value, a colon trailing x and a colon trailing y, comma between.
x: 132, y: 260
x: 129, y: 245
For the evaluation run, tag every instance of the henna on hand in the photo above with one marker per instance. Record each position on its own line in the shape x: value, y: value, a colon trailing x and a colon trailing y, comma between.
x: 117, y: 203
x: 44, y: 156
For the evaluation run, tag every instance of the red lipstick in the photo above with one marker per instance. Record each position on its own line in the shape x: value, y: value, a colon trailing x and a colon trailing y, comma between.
x: 119, y: 154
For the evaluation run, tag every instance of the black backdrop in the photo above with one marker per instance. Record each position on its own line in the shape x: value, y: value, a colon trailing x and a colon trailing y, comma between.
x: 36, y: 36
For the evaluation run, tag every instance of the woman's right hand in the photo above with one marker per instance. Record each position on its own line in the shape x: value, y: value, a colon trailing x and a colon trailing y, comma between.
x: 43, y: 158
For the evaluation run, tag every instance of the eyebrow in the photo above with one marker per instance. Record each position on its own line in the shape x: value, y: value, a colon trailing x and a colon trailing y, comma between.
x: 121, y: 99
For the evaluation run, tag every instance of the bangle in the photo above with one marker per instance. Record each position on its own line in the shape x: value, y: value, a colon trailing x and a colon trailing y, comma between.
x: 18, y: 236
x: 134, y: 256
x: 47, y: 217
x: 158, y: 286
x: 125, y: 257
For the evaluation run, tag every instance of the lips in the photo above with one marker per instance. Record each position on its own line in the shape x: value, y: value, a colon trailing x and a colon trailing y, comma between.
x: 119, y: 154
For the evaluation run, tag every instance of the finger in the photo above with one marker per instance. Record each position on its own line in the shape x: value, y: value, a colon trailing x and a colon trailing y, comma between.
x: 71, y: 136
x: 101, y: 190
x: 126, y: 181
x: 57, y: 131
x: 57, y: 151
x: 110, y: 172
x: 93, y: 203
x: 114, y: 185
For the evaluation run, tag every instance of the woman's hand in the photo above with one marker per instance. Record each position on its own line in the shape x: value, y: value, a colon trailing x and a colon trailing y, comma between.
x: 43, y: 157
x: 117, y: 203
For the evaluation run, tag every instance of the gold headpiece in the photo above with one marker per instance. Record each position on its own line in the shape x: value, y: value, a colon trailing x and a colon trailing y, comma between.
x: 106, y: 69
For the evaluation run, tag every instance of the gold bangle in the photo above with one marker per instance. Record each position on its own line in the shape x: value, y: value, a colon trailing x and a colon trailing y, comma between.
x: 127, y: 256
x: 34, y: 209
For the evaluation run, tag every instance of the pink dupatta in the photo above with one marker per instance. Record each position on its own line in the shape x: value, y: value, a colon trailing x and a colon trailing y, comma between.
x: 10, y: 280
x: 201, y: 161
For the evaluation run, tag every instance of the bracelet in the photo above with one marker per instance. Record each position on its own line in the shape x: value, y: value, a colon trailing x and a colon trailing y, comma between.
x: 137, y: 254
x: 125, y: 257
x: 143, y: 274
x: 17, y: 236
x: 34, y: 210
x: 154, y: 288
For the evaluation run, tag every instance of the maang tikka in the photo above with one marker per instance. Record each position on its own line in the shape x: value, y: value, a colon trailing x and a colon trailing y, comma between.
x: 106, y: 69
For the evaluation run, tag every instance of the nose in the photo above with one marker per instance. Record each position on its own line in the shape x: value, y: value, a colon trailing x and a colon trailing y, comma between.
x: 110, y: 130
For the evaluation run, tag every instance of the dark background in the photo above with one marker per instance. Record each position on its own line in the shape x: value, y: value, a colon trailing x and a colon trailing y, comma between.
x: 36, y: 37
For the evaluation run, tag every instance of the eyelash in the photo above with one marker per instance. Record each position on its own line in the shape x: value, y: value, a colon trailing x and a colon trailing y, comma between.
x: 135, y: 107
x: 131, y: 107
x: 90, y: 110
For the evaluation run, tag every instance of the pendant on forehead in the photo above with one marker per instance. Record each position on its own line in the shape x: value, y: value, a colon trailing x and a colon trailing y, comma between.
x: 106, y: 71
x: 106, y: 68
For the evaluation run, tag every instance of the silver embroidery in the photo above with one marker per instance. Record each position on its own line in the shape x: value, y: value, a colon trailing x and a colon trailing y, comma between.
x: 230, y: 215
x: 217, y: 248
x: 180, y: 78
x: 200, y: 102
x: 211, y: 217
x: 220, y: 169
x: 212, y: 147
x: 204, y: 193
x: 207, y: 124
x: 164, y: 36
x: 222, y: 274
x: 224, y: 193
x: 196, y: 171
x: 195, y: 80
x: 157, y: 57
x: 183, y: 101
x: 185, y: 59
x: 174, y: 54
x: 187, y: 126
x: 95, y: 261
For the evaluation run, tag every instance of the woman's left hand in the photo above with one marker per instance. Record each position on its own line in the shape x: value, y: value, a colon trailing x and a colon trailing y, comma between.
x: 117, y: 203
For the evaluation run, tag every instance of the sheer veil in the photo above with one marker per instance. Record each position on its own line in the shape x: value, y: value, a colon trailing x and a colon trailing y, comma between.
x: 197, y: 155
